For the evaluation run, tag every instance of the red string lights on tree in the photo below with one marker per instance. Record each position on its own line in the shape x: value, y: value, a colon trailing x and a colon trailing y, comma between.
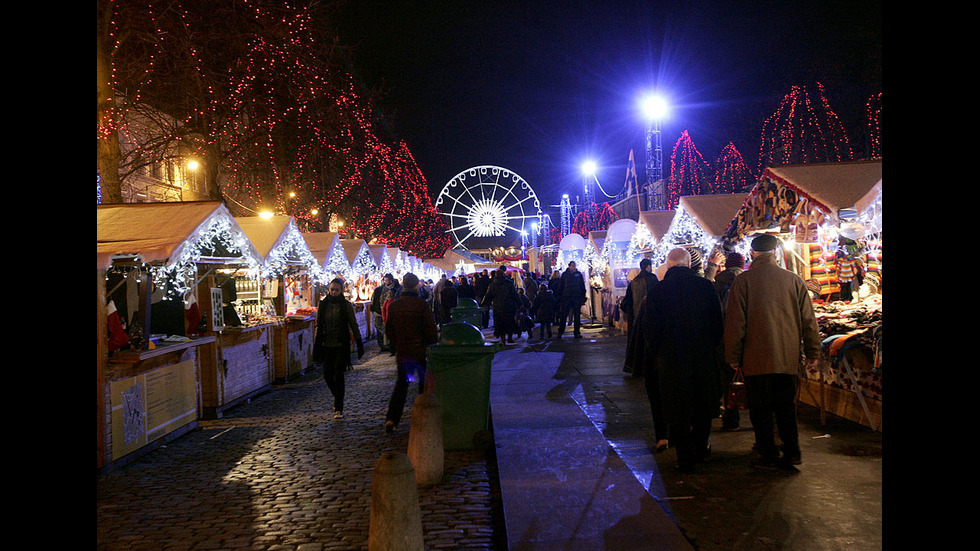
x: 595, y: 217
x: 804, y: 129
x: 732, y: 174
x: 279, y: 120
x: 689, y: 172
x: 874, y: 126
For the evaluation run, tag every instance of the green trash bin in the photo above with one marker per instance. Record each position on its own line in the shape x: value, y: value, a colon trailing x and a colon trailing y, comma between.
x: 460, y: 368
x: 467, y: 310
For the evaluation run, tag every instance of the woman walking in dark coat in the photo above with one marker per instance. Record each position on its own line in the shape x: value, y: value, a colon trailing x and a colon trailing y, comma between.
x: 502, y: 298
x: 335, y: 324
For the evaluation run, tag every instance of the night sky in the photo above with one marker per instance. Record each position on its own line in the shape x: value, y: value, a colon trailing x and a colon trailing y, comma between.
x: 540, y: 86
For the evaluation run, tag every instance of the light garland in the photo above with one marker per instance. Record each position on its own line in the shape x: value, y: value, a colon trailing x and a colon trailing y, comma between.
x: 291, y: 251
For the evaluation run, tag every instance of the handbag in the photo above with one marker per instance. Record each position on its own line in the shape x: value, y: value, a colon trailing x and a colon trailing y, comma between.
x: 737, y: 398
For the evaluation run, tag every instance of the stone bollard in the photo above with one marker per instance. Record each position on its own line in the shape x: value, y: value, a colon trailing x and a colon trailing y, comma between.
x: 425, y: 440
x: 396, y: 519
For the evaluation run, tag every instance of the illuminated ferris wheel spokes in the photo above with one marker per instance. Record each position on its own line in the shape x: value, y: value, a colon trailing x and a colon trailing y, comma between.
x: 487, y: 201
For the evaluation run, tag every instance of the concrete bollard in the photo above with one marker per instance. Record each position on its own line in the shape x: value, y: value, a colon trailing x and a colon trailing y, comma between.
x: 396, y: 519
x: 425, y: 440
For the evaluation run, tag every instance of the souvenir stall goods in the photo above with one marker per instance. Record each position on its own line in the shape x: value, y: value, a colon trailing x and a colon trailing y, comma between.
x: 156, y: 275
x: 829, y: 216
x: 282, y: 295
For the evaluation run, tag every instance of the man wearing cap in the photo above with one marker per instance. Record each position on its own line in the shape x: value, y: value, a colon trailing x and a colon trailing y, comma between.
x: 411, y: 327
x: 769, y: 324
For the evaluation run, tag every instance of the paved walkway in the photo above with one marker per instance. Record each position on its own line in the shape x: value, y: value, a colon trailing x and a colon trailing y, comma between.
x: 572, y: 447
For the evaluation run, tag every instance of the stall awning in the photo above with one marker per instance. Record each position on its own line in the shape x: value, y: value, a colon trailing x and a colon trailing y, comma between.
x: 166, y: 233
x: 821, y: 191
x: 278, y: 242
x: 713, y: 213
x: 657, y: 222
x: 832, y: 187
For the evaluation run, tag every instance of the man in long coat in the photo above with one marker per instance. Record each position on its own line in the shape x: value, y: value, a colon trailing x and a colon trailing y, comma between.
x: 683, y: 330
x: 769, y: 327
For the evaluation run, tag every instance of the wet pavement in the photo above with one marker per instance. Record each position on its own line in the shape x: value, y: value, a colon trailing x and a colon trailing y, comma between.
x: 570, y: 467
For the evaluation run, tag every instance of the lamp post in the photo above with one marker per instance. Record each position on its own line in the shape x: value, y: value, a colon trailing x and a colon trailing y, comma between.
x: 588, y: 175
x: 654, y: 109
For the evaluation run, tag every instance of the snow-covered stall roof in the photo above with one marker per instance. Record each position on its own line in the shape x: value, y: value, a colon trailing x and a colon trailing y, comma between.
x: 713, y: 213
x: 279, y: 243
x: 169, y: 234
x: 383, y: 262
x: 358, y: 255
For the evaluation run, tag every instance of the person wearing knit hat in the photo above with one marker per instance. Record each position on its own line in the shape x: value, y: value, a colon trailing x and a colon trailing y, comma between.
x: 734, y: 260
x: 411, y: 327
x: 696, y: 261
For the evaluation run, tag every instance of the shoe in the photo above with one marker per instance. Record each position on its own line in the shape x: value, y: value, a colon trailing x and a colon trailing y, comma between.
x: 338, y: 415
x: 791, y: 460
x: 389, y: 426
x: 577, y: 336
x: 734, y: 428
x: 662, y: 445
x: 764, y: 464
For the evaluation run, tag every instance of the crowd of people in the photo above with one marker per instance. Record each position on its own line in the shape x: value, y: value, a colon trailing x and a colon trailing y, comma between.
x: 692, y: 327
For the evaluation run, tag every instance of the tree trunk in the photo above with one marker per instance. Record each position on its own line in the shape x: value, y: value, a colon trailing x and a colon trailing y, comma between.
x: 107, y: 150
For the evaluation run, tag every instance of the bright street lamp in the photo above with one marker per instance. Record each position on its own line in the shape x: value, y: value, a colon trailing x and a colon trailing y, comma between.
x: 654, y: 109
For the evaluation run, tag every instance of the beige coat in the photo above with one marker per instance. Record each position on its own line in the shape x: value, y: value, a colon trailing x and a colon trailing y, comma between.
x: 769, y: 321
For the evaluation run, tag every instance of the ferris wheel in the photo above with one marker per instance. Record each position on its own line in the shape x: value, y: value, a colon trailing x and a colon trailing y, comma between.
x: 487, y: 201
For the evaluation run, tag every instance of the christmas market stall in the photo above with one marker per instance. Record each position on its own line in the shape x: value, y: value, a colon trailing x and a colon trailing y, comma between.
x: 160, y: 316
x: 828, y: 216
x: 596, y: 269
x: 382, y: 262
x: 330, y: 255
x: 279, y: 302
x: 699, y: 224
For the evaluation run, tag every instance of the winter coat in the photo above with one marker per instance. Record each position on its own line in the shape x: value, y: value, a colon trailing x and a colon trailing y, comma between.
x: 335, y: 325
x: 411, y: 327
x: 544, y: 305
x: 502, y: 296
x: 769, y: 320
x: 723, y: 282
x: 571, y: 288
x: 682, y: 326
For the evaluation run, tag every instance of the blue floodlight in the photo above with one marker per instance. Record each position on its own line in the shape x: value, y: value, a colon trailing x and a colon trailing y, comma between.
x: 654, y: 107
x: 588, y: 168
